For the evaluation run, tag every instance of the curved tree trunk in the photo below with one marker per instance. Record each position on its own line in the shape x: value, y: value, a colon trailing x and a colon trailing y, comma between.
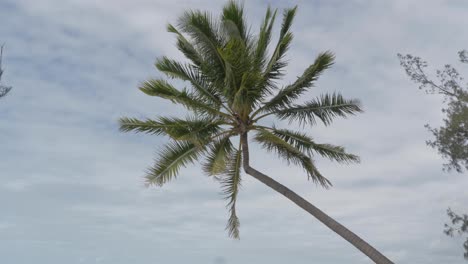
x: 352, y: 238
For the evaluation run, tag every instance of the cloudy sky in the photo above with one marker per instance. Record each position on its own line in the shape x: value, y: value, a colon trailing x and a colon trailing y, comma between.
x: 71, y: 186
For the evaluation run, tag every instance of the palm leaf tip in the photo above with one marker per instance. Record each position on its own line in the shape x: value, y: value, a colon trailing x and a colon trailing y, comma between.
x: 274, y: 68
x: 171, y: 159
x: 147, y: 126
x: 233, y: 19
x: 307, y: 145
x: 315, y: 175
x: 326, y: 108
x: 159, y: 88
x: 336, y: 153
x: 288, y: 17
x: 233, y: 225
x: 291, y: 154
x: 264, y: 39
x: 285, y: 97
x: 123, y: 124
x: 231, y: 183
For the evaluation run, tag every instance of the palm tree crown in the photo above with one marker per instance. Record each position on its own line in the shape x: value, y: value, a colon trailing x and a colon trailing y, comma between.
x: 233, y: 77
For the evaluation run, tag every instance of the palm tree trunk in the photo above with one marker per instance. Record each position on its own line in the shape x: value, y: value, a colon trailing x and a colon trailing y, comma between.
x: 352, y: 238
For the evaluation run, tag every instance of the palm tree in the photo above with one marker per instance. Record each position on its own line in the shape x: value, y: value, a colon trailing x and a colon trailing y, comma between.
x: 233, y: 87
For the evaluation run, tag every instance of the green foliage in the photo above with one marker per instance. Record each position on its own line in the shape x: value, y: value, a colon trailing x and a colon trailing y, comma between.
x: 230, y: 182
x: 305, y: 144
x: 263, y: 41
x: 196, y: 130
x: 276, y: 63
x: 451, y: 140
x: 325, y: 108
x: 233, y: 21
x: 458, y: 225
x: 292, y: 92
x: 190, y: 100
x: 291, y: 154
x: 3, y: 89
x: 174, y: 156
x: 232, y: 86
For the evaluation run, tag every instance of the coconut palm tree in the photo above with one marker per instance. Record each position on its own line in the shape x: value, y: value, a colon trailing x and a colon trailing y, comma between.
x: 233, y: 86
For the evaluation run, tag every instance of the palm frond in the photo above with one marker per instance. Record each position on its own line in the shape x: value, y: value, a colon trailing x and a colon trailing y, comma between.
x: 325, y: 108
x: 276, y: 62
x: 3, y: 89
x: 336, y: 153
x: 218, y: 156
x: 162, y: 89
x: 275, y: 69
x: 259, y: 86
x: 191, y: 74
x: 231, y: 181
x: 291, y: 154
x: 234, y: 21
x: 237, y: 61
x: 187, y: 48
x: 264, y: 39
x: 196, y: 130
x: 288, y: 17
x: 305, y: 144
x: 147, y: 126
x: 291, y: 92
x: 233, y: 224
x: 173, y: 157
x: 205, y: 35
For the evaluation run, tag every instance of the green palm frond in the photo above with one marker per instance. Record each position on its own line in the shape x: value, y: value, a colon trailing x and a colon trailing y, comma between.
x: 305, y: 144
x: 276, y: 63
x: 205, y: 34
x: 336, y: 153
x: 186, y: 72
x: 147, y: 126
x: 259, y: 86
x: 233, y: 224
x: 187, y: 48
x: 231, y: 181
x: 291, y: 154
x: 288, y: 17
x: 218, y: 156
x: 291, y: 92
x: 162, y: 89
x: 237, y: 61
x: 264, y: 38
x: 233, y: 21
x: 247, y: 96
x: 213, y: 72
x: 196, y: 130
x: 325, y: 108
x: 173, y: 157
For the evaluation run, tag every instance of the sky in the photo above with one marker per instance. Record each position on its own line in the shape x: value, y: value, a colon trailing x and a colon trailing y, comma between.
x: 72, y: 187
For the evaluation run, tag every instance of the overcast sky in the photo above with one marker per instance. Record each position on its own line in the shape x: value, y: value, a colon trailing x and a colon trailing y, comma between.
x: 71, y: 185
